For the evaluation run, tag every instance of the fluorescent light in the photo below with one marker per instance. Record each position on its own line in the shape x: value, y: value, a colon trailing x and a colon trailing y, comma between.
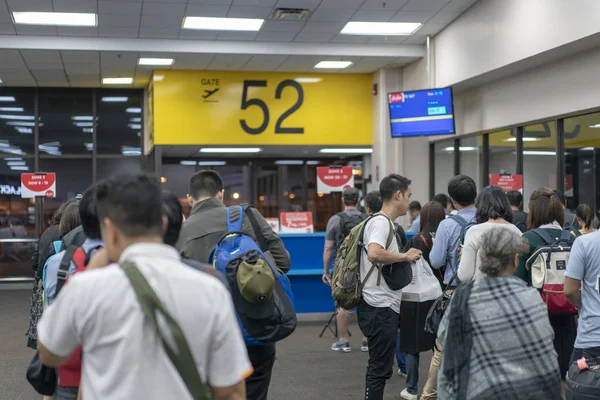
x: 7, y: 98
x: 333, y: 64
x: 539, y: 153
x: 135, y: 119
x: 155, y: 61
x: 10, y: 149
x: 595, y: 126
x: 231, y: 150
x: 381, y: 28
x: 88, y: 130
x: 131, y: 151
x: 23, y: 130
x: 134, y: 110
x: 222, y: 24
x: 347, y: 151
x: 313, y: 162
x: 89, y: 146
x: 82, y: 118
x: 115, y: 99
x: 135, y: 126
x: 18, y: 117
x: 4, y: 144
x: 19, y: 168
x: 16, y: 163
x: 13, y: 158
x: 82, y: 124
x: 461, y: 148
x: 17, y: 123
x: 158, y: 78
x: 117, y: 81
x: 55, y: 18
x: 587, y: 149
x: 525, y: 139
x: 307, y: 80
x: 289, y: 162
x: 188, y: 162
x: 212, y: 163
x: 11, y: 109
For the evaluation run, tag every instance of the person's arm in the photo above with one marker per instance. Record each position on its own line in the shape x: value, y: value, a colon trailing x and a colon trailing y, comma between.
x: 439, y: 250
x: 521, y: 271
x: 327, y: 255
x: 575, y: 273
x: 379, y: 231
x: 468, y: 259
x: 275, y: 245
x: 235, y: 392
x: 35, y: 259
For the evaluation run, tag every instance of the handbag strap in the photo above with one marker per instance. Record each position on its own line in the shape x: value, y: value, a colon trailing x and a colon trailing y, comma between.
x: 260, y: 238
x: 181, y: 356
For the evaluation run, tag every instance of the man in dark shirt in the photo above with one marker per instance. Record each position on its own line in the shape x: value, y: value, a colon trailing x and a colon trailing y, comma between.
x: 515, y: 198
x: 570, y: 218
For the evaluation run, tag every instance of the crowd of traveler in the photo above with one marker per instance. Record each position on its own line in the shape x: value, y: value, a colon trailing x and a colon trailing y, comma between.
x: 146, y: 286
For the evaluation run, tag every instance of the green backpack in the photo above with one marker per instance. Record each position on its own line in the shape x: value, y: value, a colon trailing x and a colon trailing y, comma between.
x: 346, y: 285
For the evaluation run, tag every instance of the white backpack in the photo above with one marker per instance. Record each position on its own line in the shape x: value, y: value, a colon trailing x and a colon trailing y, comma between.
x: 424, y: 285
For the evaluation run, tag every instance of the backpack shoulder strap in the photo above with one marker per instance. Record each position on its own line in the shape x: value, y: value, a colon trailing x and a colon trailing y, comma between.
x: 88, y: 255
x: 260, y: 238
x: 567, y: 235
x: 235, y: 218
x: 57, y: 244
x: 459, y: 220
x: 180, y: 354
x: 72, y: 253
x: 544, y: 235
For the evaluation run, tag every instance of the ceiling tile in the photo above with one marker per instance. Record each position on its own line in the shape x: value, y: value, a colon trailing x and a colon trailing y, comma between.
x: 370, y: 64
x: 228, y: 61
x: 331, y: 15
x: 42, y: 59
x: 264, y: 63
x: 412, y: 16
x: 373, y: 16
x: 192, y: 61
x: 314, y: 37
x: 113, y: 31
x: 444, y: 17
x: 126, y: 21
x: 166, y: 1
x: 5, y: 16
x: 237, y: 35
x: 350, y: 39
x: 7, y: 29
x: 416, y: 39
x: 80, y: 57
x: 119, y: 8
x: 83, y: 80
x: 340, y: 4
x: 459, y: 5
x: 84, y: 6
x: 20, y: 77
x: 45, y: 76
x: 389, y: 39
x: 424, y: 5
x: 115, y: 59
x: 255, y: 3
x: 143, y: 73
x: 249, y: 12
x: 213, y: 2
x: 83, y: 69
x: 309, y: 4
x: 172, y: 22
x: 77, y: 30
x: 323, y: 27
x: 163, y: 9
x: 29, y: 5
x: 383, y: 5
x: 36, y: 30
x: 11, y: 59
x: 206, y: 10
x: 282, y: 26
x: 198, y: 35
x: 276, y: 36
x: 159, y: 33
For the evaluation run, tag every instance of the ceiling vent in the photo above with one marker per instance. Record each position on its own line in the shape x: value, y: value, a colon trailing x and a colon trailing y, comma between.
x: 290, y: 14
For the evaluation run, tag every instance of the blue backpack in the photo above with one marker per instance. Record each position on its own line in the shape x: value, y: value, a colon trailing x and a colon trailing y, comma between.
x: 262, y: 295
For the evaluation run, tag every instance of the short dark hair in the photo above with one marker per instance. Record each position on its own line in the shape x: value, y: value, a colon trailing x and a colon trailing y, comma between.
x: 586, y: 213
x: 374, y: 201
x: 414, y: 205
x: 70, y: 218
x: 515, y: 198
x: 132, y: 202
x: 561, y: 196
x: 492, y: 203
x: 172, y: 210
x: 391, y: 184
x: 59, y: 212
x: 544, y: 208
x: 462, y: 190
x: 351, y: 196
x: 442, y: 199
x: 205, y: 183
x: 88, y: 213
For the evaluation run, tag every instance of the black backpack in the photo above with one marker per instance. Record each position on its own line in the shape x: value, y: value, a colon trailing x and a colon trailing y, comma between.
x: 347, y: 223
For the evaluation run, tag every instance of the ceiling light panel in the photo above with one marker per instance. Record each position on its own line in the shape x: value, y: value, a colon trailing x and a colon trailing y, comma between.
x: 381, y: 28
x: 156, y: 61
x: 55, y: 18
x: 223, y: 24
x: 231, y: 150
x: 333, y: 64
x: 117, y: 81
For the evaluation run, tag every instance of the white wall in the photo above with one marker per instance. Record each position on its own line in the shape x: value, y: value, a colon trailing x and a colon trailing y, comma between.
x: 496, y: 33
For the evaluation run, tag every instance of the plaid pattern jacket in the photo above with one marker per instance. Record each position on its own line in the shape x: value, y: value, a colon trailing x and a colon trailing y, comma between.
x: 512, y: 354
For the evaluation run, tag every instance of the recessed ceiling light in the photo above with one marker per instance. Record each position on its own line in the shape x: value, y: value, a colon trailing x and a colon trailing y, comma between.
x: 313, y: 162
x: 21, y: 129
x: 115, y: 99
x: 155, y: 61
x: 131, y: 151
x: 1, y: 81
x: 347, y: 151
x: 19, y: 168
x: 461, y: 148
x: 135, y: 126
x: 11, y: 109
x: 83, y: 124
x: 19, y: 117
x: 158, y: 78
x: 16, y: 163
x: 525, y: 139
x: 222, y: 24
x: 308, y: 80
x: 88, y: 130
x: 289, y: 162
x: 117, y: 81
x: 188, y: 162
x: 134, y: 110
x: 539, y: 153
x: 334, y: 64
x: 13, y: 158
x: 381, y: 28
x: 82, y: 118
x: 17, y: 123
x: 231, y: 150
x: 595, y: 126
x: 7, y: 98
x: 135, y: 119
x: 55, y: 18
x: 212, y: 163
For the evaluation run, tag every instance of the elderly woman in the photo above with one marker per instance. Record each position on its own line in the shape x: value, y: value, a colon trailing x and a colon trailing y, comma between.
x: 498, y: 342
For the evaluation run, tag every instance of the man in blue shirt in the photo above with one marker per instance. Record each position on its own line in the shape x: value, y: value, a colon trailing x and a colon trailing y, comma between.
x: 414, y: 209
x: 583, y: 270
x: 91, y: 228
x: 463, y: 192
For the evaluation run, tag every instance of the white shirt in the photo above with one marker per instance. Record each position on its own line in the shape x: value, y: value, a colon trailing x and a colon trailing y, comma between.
x: 123, y: 358
x: 377, y: 231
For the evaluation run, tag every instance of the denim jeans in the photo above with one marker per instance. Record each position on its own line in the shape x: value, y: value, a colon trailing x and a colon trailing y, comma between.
x: 412, y: 372
x: 400, y: 356
x: 65, y: 393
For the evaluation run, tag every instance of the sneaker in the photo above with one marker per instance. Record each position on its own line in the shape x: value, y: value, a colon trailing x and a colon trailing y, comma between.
x: 341, y: 346
x: 364, y: 346
x: 407, y: 396
x: 402, y: 374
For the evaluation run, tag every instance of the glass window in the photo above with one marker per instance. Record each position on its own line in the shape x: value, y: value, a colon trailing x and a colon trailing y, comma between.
x: 106, y: 167
x: 17, y: 120
x: 469, y: 157
x: 65, y: 121
x: 444, y: 165
x: 503, y: 156
x: 539, y: 158
x: 120, y: 117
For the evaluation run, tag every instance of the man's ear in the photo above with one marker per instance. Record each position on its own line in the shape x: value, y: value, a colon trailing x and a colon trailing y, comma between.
x: 190, y: 200
x: 165, y: 224
x: 221, y: 195
x: 109, y: 232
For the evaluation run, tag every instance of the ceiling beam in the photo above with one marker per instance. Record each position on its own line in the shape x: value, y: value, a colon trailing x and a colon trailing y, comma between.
x: 204, y: 46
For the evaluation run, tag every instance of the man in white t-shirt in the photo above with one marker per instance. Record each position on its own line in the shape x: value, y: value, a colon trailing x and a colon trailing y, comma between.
x: 123, y: 356
x: 379, y: 311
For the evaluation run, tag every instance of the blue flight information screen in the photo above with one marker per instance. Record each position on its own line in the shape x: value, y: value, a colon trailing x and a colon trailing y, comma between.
x: 421, y: 113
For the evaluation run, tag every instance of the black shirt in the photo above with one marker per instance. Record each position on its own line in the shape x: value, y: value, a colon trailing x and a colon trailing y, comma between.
x: 520, y: 220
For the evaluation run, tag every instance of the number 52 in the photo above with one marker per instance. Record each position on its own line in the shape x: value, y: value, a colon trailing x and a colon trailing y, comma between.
x: 265, y: 109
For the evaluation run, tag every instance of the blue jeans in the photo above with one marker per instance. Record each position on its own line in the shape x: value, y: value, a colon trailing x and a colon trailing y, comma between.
x: 65, y: 393
x: 400, y: 356
x: 412, y: 372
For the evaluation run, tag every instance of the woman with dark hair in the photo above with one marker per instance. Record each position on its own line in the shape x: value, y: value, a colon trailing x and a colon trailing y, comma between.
x: 585, y: 218
x: 413, y: 338
x: 493, y: 212
x: 546, y: 213
x: 70, y: 219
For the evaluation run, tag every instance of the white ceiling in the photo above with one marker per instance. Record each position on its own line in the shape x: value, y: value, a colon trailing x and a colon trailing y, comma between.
x: 139, y: 24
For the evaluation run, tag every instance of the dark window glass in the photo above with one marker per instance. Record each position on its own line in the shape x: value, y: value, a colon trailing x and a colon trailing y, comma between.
x: 122, y: 165
x: 120, y: 119
x: 539, y: 158
x: 17, y: 120
x: 65, y: 121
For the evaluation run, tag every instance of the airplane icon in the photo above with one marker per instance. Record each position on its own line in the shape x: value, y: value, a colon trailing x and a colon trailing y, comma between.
x: 209, y: 93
